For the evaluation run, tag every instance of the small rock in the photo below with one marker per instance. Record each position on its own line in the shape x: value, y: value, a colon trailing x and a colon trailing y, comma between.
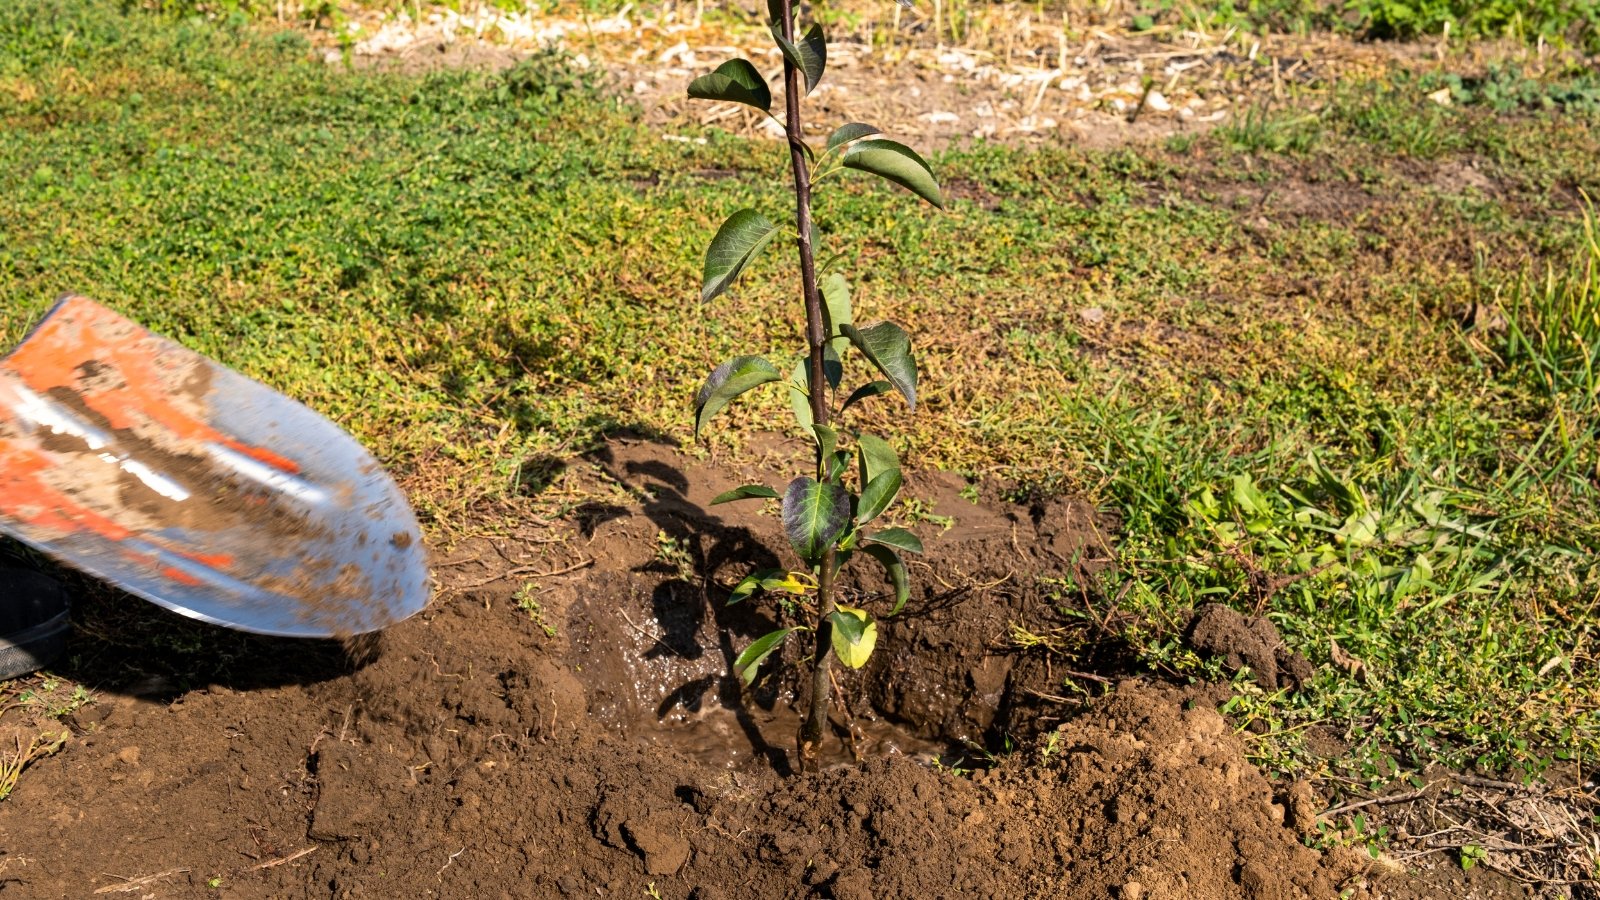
x: 128, y: 756
x: 1133, y: 890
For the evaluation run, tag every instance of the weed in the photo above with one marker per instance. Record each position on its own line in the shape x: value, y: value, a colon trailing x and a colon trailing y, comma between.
x: 1261, y: 130
x: 1552, y: 324
x: 1396, y: 116
x: 826, y: 514
x: 672, y: 554
x: 1504, y: 88
x: 525, y: 598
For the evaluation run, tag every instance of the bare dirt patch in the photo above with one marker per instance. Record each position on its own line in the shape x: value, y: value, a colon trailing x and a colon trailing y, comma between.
x: 562, y: 722
x: 1011, y: 74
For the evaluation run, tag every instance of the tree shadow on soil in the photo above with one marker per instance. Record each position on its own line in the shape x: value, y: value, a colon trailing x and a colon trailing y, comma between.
x: 694, y: 546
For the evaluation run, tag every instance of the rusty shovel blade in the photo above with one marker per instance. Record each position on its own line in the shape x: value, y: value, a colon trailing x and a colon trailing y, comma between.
x: 179, y: 480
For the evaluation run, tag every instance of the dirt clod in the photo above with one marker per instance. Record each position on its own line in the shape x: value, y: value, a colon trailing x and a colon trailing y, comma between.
x: 1247, y: 642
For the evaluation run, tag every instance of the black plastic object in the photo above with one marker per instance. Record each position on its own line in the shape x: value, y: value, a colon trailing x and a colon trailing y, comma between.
x: 33, y: 621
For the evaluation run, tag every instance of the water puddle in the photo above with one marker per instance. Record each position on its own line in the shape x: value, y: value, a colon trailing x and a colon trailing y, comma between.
x: 660, y: 672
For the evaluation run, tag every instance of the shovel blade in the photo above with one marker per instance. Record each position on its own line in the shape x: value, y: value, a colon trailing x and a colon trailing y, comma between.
x: 183, y: 482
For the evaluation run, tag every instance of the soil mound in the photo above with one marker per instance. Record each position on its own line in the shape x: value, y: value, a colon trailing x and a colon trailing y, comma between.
x: 561, y: 722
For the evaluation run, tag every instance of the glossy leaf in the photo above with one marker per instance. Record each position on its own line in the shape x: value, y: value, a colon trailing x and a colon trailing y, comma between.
x: 867, y: 390
x: 753, y: 582
x: 747, y: 492
x: 888, y: 348
x: 855, y: 635
x: 736, y: 243
x: 728, y: 381
x: 836, y: 311
x: 877, y: 495
x: 815, y: 513
x: 836, y: 469
x: 875, y: 457
x: 799, y: 396
x: 735, y: 81
x: 854, y: 131
x: 775, y: 13
x: 827, y: 440
x: 746, y: 664
x: 832, y: 366
x: 810, y: 55
x: 898, y: 538
x: 895, y: 569
x: 895, y: 162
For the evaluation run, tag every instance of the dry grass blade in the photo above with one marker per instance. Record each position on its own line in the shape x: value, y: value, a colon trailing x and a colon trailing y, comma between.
x: 38, y: 747
x: 130, y: 885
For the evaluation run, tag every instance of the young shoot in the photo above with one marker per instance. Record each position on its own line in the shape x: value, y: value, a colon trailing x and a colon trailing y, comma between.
x: 828, y: 512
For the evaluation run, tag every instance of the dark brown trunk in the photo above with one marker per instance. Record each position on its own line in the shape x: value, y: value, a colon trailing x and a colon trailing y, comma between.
x: 809, y: 741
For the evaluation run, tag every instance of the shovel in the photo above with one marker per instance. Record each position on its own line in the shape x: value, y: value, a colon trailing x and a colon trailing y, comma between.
x: 183, y: 482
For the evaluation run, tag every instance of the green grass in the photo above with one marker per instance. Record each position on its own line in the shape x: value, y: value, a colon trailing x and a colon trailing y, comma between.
x: 477, y: 274
x: 1564, y: 21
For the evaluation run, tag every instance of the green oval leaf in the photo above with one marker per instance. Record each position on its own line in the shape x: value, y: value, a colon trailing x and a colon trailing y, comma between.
x: 827, y: 440
x: 747, y: 492
x: 877, y: 495
x: 814, y: 515
x: 735, y: 81
x: 810, y: 56
x: 855, y: 635
x: 746, y: 663
x: 875, y: 457
x: 836, y: 311
x: 854, y: 131
x: 867, y: 390
x: 898, y: 538
x: 736, y: 243
x: 728, y: 381
x: 895, y: 162
x: 751, y: 583
x: 840, y: 462
x: 888, y: 347
x: 799, y: 394
x: 895, y: 569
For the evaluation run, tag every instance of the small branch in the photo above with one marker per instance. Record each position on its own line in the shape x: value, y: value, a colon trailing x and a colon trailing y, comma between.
x: 1490, y: 783
x: 1407, y: 797
x: 284, y: 859
x: 129, y: 885
x: 530, y: 571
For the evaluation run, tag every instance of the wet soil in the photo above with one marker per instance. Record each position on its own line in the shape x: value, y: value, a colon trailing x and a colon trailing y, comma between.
x: 560, y: 722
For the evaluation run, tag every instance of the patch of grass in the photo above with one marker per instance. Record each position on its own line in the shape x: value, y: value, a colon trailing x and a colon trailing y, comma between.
x: 1567, y: 21
x: 1260, y: 130
x: 1552, y: 325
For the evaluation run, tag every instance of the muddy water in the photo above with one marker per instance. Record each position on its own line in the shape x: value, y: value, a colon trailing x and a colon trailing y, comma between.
x: 659, y: 670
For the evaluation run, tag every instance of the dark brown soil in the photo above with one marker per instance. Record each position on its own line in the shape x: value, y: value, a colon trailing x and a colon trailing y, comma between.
x: 477, y: 754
